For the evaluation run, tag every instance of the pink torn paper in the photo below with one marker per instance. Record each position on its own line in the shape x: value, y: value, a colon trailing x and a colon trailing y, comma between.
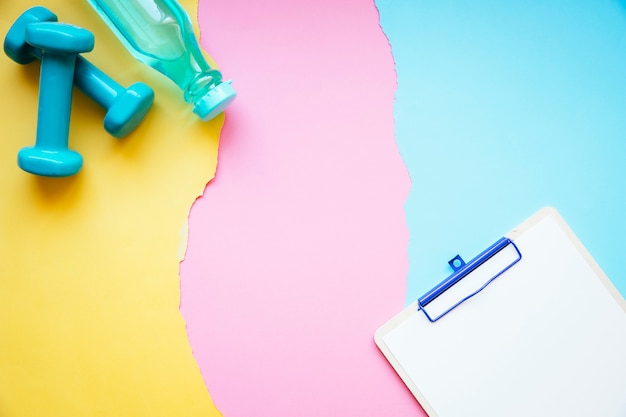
x: 297, y: 251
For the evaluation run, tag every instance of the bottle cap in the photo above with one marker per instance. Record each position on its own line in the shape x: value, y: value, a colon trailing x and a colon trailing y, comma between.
x: 215, y: 101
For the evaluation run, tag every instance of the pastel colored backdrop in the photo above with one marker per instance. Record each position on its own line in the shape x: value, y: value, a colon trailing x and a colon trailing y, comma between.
x: 297, y: 249
x: 502, y: 108
x: 89, y: 289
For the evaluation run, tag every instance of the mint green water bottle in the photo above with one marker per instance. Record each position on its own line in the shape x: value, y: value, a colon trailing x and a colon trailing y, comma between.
x: 159, y: 33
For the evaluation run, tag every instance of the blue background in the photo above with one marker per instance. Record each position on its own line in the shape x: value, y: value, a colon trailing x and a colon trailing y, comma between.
x: 503, y: 108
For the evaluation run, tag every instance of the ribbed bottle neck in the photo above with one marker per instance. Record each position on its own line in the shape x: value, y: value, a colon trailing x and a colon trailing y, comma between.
x: 201, y: 84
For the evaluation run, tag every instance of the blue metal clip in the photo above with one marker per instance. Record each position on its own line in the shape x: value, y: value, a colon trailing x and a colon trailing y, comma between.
x: 461, y: 270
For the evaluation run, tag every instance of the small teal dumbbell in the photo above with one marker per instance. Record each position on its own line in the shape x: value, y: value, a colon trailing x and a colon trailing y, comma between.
x: 126, y: 107
x: 59, y: 43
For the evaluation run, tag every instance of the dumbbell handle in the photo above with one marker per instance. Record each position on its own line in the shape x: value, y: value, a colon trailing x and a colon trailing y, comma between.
x: 93, y: 82
x: 53, y: 124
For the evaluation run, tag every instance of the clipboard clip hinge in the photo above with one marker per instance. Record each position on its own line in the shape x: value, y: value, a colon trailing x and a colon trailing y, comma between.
x: 462, y: 270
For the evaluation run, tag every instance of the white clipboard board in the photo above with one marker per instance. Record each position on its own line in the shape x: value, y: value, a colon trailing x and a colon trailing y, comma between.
x: 540, y: 331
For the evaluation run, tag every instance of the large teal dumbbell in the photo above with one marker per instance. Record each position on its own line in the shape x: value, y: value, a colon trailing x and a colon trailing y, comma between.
x: 126, y: 107
x: 60, y: 44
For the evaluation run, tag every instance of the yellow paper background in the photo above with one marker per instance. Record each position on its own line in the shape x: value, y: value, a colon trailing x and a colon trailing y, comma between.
x: 89, y: 289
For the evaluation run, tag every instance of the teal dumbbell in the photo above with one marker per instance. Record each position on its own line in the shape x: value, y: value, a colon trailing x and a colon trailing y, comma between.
x: 126, y: 107
x: 59, y: 44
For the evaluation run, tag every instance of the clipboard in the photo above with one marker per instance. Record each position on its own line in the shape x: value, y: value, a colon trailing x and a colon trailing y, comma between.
x: 531, y: 326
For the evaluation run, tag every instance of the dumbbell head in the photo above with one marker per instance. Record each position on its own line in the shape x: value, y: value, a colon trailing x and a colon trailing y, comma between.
x: 128, y: 110
x: 49, y: 162
x: 59, y: 38
x: 15, y: 45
